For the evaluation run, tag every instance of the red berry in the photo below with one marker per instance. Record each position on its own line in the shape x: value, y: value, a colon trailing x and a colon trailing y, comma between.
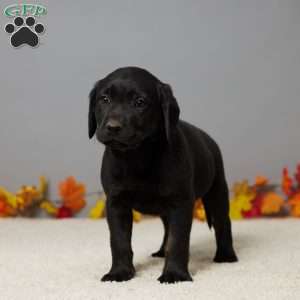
x: 64, y: 212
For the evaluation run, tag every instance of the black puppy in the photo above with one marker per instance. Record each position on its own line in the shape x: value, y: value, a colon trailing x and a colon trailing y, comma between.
x: 157, y: 164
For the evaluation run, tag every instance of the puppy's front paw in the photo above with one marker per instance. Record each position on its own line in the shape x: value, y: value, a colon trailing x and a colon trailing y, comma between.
x: 119, y: 275
x: 174, y: 276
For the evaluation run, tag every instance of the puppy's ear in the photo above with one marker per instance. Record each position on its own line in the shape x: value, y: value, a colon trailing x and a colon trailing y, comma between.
x: 92, y: 117
x: 170, y: 109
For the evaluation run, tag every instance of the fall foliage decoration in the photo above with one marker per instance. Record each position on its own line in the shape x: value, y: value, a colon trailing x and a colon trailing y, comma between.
x: 72, y: 195
x: 98, y: 211
x: 25, y: 202
x: 291, y: 188
x: 242, y: 200
x: 199, y: 212
x: 259, y: 199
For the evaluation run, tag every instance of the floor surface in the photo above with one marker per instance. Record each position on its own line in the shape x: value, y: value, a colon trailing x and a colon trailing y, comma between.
x: 65, y: 259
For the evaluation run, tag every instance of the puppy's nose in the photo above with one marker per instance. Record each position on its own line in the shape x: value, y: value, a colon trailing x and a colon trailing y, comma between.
x: 113, y: 125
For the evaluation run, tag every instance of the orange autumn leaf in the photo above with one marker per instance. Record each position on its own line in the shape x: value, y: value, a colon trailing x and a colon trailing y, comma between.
x: 295, y: 205
x: 2, y: 205
x: 72, y: 194
x: 271, y: 203
x: 295, y: 212
x: 199, y: 212
x: 10, y: 211
x: 295, y: 199
x: 3, y: 208
x: 287, y: 182
x: 261, y: 180
x: 6, y: 210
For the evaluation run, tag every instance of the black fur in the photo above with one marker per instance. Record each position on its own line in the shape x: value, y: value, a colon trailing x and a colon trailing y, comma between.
x: 156, y: 164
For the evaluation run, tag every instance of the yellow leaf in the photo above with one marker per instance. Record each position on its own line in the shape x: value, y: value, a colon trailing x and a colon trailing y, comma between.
x: 97, y: 211
x: 137, y: 216
x: 235, y: 211
x: 49, y: 207
x: 43, y: 187
x: 11, y: 199
x: 199, y: 211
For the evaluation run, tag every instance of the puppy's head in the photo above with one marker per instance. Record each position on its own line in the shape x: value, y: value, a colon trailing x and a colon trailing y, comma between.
x: 129, y: 106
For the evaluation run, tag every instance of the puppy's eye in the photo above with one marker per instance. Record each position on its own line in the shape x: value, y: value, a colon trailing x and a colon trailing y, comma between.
x: 140, y: 102
x: 105, y: 99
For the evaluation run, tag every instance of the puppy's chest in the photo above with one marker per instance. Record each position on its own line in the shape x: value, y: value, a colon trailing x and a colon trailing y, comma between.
x: 140, y: 176
x: 141, y: 183
x: 145, y: 190
x: 149, y: 203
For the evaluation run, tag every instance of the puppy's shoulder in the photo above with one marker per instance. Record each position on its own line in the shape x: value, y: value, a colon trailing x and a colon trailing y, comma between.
x: 196, y: 137
x: 192, y: 132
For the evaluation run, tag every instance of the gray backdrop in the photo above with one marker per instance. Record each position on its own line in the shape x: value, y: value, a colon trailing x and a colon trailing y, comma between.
x: 233, y: 65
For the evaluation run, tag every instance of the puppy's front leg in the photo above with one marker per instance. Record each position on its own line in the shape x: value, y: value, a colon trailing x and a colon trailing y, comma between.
x: 119, y: 217
x: 177, y: 249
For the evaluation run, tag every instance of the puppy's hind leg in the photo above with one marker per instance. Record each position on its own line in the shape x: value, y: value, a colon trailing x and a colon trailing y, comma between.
x: 161, y: 251
x: 217, y: 202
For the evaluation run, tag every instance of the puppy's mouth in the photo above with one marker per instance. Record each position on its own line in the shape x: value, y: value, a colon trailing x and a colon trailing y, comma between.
x: 118, y: 145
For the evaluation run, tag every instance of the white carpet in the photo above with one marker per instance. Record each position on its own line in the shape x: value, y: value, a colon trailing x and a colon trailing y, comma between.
x: 53, y: 259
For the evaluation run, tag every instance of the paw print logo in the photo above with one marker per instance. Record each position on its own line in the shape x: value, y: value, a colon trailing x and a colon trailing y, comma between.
x: 23, y: 33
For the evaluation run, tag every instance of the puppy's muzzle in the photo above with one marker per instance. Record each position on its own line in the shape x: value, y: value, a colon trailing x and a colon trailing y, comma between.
x: 113, y: 126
